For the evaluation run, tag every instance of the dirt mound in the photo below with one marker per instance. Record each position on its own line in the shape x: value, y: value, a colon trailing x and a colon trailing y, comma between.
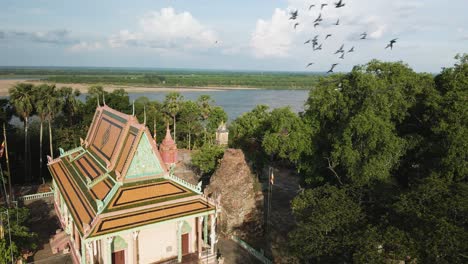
x: 241, y: 196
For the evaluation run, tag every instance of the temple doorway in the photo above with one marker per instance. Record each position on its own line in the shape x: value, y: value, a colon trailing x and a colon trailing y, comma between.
x: 118, y: 257
x: 185, y: 244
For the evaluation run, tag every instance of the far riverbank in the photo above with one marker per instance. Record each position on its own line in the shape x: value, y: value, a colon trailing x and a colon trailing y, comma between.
x: 5, y: 85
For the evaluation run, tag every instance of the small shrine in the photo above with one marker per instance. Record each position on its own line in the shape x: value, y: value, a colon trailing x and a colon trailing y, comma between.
x: 222, y: 135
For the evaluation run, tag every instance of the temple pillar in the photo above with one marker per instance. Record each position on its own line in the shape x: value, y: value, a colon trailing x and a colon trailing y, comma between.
x: 90, y: 252
x: 205, y: 229
x: 199, y: 235
x: 83, y: 252
x: 213, y: 233
x: 135, y: 246
x: 179, y: 241
x: 109, y: 250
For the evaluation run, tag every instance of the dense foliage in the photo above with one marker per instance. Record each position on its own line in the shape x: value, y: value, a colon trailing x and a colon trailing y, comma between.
x: 23, y: 241
x: 382, y: 152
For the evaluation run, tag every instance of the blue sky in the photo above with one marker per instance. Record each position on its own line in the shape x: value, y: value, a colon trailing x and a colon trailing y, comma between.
x: 236, y: 35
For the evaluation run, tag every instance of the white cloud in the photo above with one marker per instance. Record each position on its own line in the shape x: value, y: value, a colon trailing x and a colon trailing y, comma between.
x: 381, y: 20
x: 85, y: 46
x: 273, y: 38
x: 166, y: 29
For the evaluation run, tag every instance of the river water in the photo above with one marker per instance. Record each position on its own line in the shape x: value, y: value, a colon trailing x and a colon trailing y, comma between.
x: 236, y: 102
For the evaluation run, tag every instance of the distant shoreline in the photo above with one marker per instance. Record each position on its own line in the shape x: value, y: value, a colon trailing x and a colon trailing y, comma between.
x: 5, y: 85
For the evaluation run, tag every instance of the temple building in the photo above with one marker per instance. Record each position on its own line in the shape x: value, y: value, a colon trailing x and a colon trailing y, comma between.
x: 118, y: 200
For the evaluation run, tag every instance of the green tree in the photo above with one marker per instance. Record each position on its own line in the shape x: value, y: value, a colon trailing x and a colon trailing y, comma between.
x: 40, y: 94
x: 172, y: 107
x: 22, y: 99
x: 206, y: 158
x: 204, y: 103
x: 22, y: 239
x: 189, y: 116
x: 71, y: 103
x: 327, y: 219
x: 287, y: 136
x: 54, y: 104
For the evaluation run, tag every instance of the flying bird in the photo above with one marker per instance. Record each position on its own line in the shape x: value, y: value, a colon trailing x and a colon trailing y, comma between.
x: 316, y: 24
x: 319, y: 18
x: 295, y: 25
x: 363, y: 35
x: 319, y: 47
x: 310, y: 7
x: 309, y: 64
x: 308, y: 41
x: 340, y: 50
x: 293, y: 15
x: 337, y: 22
x: 328, y: 35
x: 390, y: 45
x: 342, y: 56
x: 351, y: 50
x: 339, y: 4
x: 332, y: 67
x: 322, y: 6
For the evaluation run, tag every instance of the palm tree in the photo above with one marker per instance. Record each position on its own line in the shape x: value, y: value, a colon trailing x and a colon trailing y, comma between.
x: 204, y: 102
x: 54, y: 105
x: 172, y: 107
x: 40, y: 94
x: 21, y: 97
x: 71, y: 103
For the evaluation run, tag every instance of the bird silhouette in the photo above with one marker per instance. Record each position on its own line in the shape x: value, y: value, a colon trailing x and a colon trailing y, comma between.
x: 294, y: 15
x: 340, y: 50
x: 351, y: 50
x: 319, y: 18
x: 316, y: 24
x: 339, y: 4
x: 309, y: 64
x: 322, y: 6
x: 342, y: 56
x: 295, y: 25
x: 308, y: 41
x: 337, y: 22
x: 332, y: 67
x: 390, y: 45
x: 328, y: 35
x: 363, y: 35
x: 310, y: 7
x: 318, y: 48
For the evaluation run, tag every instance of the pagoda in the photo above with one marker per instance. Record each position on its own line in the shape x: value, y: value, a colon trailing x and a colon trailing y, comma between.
x: 118, y: 201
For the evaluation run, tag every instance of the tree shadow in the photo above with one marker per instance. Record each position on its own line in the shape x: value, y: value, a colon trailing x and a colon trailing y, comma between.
x: 44, y: 223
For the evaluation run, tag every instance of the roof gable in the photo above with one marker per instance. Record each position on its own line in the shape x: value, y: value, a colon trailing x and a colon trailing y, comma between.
x: 144, y: 162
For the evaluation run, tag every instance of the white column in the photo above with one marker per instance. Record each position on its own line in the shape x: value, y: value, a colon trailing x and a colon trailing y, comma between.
x: 90, y: 252
x: 109, y: 250
x: 135, y: 246
x: 179, y: 241
x: 213, y: 233
x: 199, y: 235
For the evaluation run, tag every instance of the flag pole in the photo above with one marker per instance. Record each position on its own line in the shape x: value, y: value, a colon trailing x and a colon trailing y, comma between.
x: 7, y: 162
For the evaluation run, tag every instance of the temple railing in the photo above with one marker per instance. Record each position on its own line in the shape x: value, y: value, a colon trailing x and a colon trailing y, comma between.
x: 259, y: 255
x: 68, y: 152
x: 195, y: 188
x: 36, y: 196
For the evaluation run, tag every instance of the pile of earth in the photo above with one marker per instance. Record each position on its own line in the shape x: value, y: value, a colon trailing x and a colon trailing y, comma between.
x: 241, y: 196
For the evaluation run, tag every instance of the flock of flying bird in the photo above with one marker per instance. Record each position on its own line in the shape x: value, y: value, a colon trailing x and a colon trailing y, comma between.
x: 314, y: 41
